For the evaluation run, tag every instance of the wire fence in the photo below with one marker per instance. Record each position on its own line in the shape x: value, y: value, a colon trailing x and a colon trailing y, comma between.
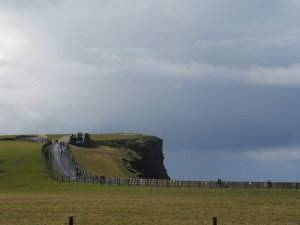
x: 174, y: 183
x: 46, y: 156
x: 82, y: 175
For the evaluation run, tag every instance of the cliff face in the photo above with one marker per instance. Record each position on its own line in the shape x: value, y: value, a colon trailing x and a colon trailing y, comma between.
x: 142, y: 156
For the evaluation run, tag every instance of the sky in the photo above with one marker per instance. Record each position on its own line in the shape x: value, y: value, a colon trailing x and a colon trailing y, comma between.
x: 219, y: 81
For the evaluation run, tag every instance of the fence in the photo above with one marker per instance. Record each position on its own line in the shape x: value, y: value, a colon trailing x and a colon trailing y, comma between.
x: 71, y: 220
x: 85, y: 176
x: 46, y: 156
x: 116, y: 181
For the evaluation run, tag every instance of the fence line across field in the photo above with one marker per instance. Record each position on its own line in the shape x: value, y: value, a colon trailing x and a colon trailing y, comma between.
x: 116, y: 181
x: 91, y: 178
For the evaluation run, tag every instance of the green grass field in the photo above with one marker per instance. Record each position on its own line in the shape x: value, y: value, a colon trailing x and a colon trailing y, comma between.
x: 28, y: 196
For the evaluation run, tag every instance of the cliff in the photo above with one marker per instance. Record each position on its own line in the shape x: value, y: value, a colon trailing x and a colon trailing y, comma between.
x: 142, y: 156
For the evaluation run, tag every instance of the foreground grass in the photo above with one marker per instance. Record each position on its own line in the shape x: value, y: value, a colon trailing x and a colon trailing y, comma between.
x: 95, y: 204
x: 28, y: 196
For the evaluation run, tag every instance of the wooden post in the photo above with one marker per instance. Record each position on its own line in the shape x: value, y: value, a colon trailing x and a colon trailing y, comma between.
x: 215, y: 221
x: 69, y: 178
x: 71, y: 220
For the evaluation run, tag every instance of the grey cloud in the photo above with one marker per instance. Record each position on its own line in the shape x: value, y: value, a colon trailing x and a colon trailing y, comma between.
x: 212, y: 78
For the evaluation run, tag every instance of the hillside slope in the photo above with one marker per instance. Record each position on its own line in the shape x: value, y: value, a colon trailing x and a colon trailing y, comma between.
x: 123, y: 155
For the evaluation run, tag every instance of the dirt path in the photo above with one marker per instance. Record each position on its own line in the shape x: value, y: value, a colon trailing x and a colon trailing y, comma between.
x: 61, y: 160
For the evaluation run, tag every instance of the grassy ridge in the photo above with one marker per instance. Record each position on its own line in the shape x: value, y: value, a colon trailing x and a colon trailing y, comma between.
x: 108, y: 137
x: 8, y: 136
x: 28, y: 196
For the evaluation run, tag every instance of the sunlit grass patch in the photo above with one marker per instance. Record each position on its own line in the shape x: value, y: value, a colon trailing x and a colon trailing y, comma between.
x: 100, y: 160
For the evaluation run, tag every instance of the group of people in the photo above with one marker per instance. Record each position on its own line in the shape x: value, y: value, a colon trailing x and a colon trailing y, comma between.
x: 101, y: 178
x: 79, y: 173
x: 219, y: 183
x: 63, y: 147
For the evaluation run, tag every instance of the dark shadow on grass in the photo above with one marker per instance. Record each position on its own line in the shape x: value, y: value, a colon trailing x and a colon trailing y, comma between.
x: 1, y: 162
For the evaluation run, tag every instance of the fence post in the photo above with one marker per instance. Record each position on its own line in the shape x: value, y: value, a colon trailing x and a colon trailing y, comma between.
x: 215, y: 221
x: 69, y: 178
x: 62, y: 178
x: 71, y: 220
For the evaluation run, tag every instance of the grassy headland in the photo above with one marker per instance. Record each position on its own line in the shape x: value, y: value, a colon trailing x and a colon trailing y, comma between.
x: 122, y: 155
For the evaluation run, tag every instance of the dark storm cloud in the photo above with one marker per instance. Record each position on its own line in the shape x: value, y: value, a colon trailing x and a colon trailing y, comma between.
x: 218, y: 80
